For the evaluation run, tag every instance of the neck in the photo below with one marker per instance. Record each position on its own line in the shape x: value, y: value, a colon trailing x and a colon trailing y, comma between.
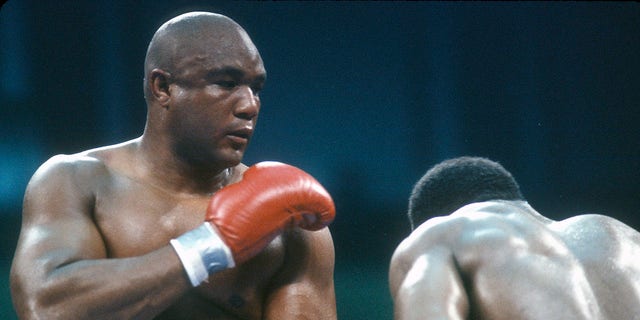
x: 170, y: 172
x: 534, y: 213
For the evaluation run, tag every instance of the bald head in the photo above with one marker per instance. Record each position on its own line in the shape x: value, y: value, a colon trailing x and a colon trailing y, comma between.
x: 193, y: 34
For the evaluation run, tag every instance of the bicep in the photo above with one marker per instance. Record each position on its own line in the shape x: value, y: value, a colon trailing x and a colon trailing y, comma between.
x: 304, y: 288
x: 428, y: 286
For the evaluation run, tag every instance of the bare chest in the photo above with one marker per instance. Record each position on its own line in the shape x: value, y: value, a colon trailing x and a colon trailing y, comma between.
x: 136, y: 221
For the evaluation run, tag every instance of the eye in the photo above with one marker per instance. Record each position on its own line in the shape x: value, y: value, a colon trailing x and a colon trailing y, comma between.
x: 227, y: 84
x: 256, y: 89
x: 257, y: 86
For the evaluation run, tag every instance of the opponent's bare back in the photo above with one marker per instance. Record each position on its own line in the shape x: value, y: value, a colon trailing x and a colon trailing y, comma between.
x: 503, y: 260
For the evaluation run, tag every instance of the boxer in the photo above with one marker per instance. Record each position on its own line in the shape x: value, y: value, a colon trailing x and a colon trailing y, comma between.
x: 172, y: 225
x: 478, y: 250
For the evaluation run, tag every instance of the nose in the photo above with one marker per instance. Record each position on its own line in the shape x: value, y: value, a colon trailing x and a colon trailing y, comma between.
x: 248, y: 104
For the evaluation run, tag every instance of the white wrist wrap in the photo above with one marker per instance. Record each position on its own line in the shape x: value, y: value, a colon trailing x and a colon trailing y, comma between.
x: 202, y: 253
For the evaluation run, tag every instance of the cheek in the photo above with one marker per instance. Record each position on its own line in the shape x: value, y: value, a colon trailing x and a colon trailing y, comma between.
x: 200, y: 113
x: 200, y: 124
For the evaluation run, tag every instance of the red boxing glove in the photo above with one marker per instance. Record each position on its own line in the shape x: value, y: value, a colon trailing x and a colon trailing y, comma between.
x: 270, y: 197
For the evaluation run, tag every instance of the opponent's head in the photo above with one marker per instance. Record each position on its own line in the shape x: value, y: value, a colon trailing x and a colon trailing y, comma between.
x: 457, y: 182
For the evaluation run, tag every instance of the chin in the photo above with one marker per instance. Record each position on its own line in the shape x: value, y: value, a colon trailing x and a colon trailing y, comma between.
x: 232, y: 159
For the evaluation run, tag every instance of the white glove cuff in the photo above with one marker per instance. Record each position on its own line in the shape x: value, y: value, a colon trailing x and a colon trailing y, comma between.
x: 202, y: 253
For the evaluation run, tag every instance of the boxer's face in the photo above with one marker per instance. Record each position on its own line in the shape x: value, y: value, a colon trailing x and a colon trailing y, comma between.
x: 215, y: 99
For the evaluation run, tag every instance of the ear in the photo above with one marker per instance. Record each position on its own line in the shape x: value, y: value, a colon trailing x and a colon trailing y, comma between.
x: 159, y: 85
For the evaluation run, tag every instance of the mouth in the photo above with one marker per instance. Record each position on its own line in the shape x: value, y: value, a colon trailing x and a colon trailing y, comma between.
x: 240, y: 136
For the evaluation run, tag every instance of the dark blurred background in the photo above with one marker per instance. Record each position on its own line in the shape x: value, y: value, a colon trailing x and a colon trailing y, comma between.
x: 364, y: 95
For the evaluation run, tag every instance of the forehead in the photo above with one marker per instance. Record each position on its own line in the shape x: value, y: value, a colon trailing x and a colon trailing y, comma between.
x: 214, y: 50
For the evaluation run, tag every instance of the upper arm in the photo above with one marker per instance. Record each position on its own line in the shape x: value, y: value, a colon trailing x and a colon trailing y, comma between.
x: 57, y: 227
x: 304, y: 288
x: 426, y: 284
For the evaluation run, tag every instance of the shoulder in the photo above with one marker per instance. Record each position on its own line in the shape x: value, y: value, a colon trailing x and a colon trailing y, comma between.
x: 72, y: 169
x: 473, y: 225
x: 313, y: 245
x: 433, y: 241
x: 59, y: 195
x: 309, y: 254
x: 75, y: 175
x: 309, y: 260
x: 437, y: 232
x: 593, y: 220
x: 60, y: 186
x: 82, y: 166
x: 449, y: 229
x: 592, y: 227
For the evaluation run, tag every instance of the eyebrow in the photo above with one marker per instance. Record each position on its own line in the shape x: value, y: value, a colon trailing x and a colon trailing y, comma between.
x: 226, y: 71
x: 233, y: 72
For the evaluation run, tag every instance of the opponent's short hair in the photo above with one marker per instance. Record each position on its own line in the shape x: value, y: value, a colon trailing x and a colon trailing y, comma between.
x: 454, y: 183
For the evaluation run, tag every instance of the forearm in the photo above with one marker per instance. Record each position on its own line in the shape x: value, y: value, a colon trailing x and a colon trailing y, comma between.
x: 130, y: 288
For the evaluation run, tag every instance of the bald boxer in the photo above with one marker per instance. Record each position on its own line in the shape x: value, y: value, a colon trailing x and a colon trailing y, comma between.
x: 172, y: 225
x: 487, y: 254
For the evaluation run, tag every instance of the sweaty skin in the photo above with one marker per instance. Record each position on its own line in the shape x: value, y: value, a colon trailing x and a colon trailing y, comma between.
x: 96, y: 227
x: 503, y: 260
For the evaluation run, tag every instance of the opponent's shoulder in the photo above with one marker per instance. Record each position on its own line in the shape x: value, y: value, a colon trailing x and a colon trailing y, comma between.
x: 476, y: 224
x: 437, y: 232
x: 592, y: 219
x: 468, y: 219
x: 438, y: 229
x: 595, y: 226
